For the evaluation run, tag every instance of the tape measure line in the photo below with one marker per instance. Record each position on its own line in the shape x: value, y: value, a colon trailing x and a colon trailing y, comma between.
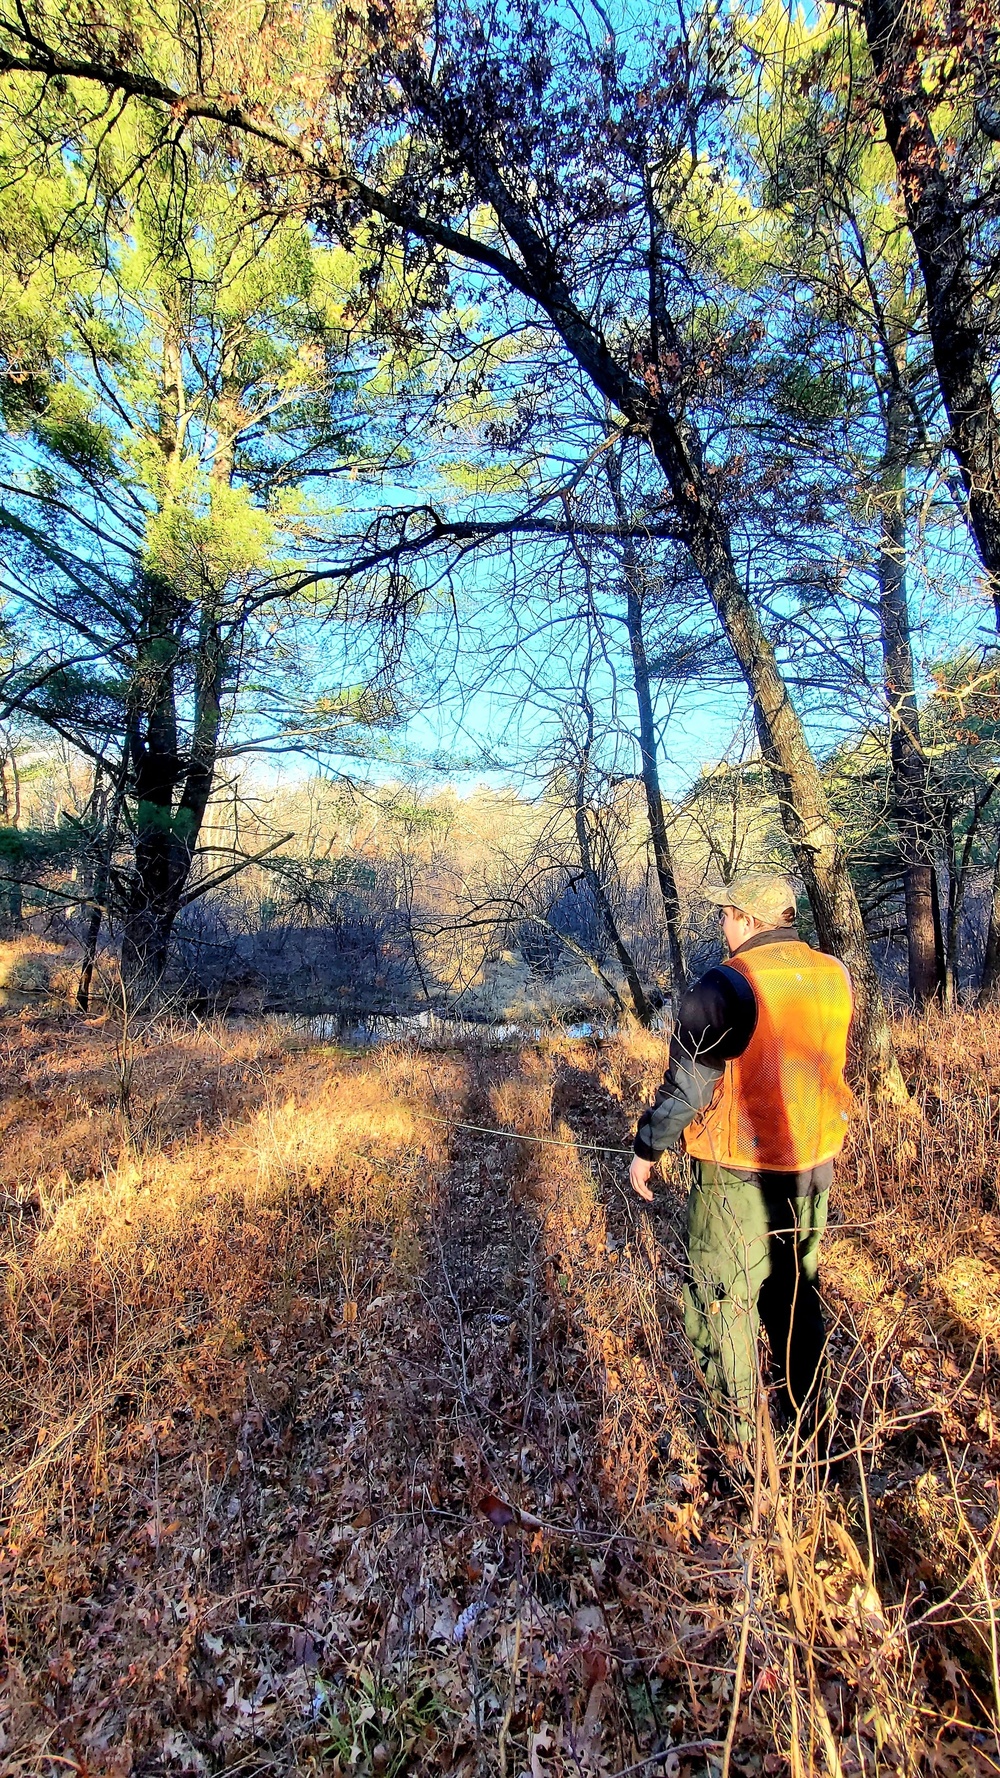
x: 449, y: 1123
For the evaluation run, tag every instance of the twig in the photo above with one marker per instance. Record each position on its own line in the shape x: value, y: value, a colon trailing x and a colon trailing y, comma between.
x: 661, y: 1757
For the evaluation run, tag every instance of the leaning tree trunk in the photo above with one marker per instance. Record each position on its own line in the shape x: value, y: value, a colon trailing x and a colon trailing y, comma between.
x: 654, y: 800
x: 805, y: 810
x: 936, y: 222
x: 663, y: 861
x: 925, y: 952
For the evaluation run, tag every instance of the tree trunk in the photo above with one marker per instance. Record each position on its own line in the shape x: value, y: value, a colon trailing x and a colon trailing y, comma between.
x: 959, y: 867
x: 156, y: 772
x: 200, y: 774
x: 654, y: 800
x: 647, y: 744
x: 167, y: 836
x: 643, y: 1009
x: 926, y: 972
x: 989, y: 987
x: 101, y: 886
x: 951, y: 918
x: 805, y: 810
x: 94, y: 925
x: 936, y: 223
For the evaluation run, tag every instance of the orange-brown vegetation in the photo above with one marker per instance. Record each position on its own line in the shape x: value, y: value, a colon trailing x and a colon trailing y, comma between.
x: 340, y: 1438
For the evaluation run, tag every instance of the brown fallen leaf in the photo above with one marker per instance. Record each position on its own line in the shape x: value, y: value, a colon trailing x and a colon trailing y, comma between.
x: 501, y: 1513
x: 497, y: 1510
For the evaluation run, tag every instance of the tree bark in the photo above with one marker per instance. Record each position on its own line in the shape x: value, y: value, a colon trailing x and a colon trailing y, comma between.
x: 936, y: 223
x: 925, y: 958
x: 989, y: 987
x: 156, y: 773
x: 10, y: 803
x: 647, y: 743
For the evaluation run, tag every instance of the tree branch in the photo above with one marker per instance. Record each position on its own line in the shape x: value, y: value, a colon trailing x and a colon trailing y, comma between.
x: 214, y: 878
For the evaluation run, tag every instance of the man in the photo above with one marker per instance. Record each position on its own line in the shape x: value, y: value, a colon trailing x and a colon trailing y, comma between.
x: 755, y: 1089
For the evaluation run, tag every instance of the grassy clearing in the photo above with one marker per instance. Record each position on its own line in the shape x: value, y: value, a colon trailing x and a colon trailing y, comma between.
x: 338, y: 1440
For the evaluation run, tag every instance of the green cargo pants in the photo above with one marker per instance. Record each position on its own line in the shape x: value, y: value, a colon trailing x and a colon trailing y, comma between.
x: 753, y: 1256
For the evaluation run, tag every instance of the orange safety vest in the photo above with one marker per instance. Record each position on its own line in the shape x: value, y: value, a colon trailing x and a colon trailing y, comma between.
x: 783, y: 1105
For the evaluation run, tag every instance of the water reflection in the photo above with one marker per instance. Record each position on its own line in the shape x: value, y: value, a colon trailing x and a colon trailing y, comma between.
x: 433, y: 1030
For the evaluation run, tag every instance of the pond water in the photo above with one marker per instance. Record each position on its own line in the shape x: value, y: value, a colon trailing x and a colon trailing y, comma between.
x: 433, y: 1030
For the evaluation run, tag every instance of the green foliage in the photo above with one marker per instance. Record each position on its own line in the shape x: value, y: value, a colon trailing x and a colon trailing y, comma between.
x: 730, y: 233
x: 810, y: 394
x: 176, y: 364
x: 211, y: 538
x: 371, y: 1725
x: 34, y: 848
x: 65, y: 426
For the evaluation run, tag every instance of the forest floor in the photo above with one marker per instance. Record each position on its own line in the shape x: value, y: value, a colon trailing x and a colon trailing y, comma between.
x: 336, y: 1438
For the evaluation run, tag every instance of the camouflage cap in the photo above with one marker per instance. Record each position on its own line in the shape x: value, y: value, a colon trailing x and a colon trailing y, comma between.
x: 767, y: 895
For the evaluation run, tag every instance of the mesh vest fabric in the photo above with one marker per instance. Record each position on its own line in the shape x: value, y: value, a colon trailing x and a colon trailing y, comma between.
x: 782, y: 1106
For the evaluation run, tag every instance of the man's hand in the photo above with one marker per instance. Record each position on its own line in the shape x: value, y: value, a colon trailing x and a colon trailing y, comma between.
x: 638, y: 1175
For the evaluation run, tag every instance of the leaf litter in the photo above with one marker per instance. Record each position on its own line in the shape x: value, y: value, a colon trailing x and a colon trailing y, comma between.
x: 333, y: 1445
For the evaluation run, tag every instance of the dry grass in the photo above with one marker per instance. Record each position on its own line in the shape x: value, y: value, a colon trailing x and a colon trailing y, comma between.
x: 152, y: 1312
x: 887, y: 1587
x: 35, y: 972
x: 335, y: 1440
